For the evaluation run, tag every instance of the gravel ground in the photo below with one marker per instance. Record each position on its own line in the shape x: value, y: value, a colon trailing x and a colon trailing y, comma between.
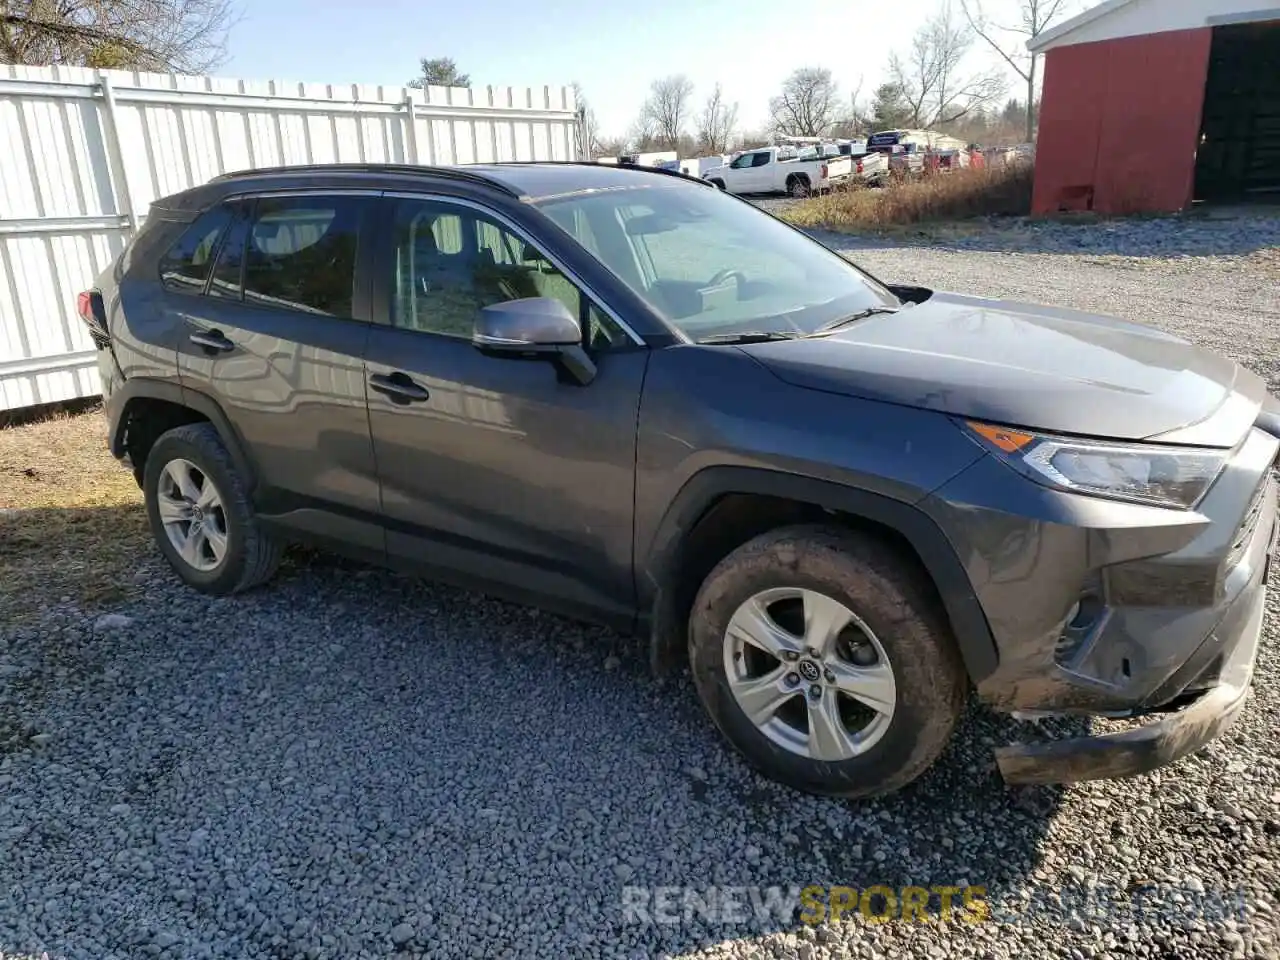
x: 351, y: 763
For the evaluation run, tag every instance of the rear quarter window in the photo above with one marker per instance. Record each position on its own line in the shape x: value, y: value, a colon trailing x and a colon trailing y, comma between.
x: 185, y: 265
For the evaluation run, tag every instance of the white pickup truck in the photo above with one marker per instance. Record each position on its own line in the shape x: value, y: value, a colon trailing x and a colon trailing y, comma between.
x: 779, y: 170
x: 871, y: 168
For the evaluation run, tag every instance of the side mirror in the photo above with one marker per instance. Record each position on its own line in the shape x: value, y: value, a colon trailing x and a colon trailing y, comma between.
x: 534, y: 328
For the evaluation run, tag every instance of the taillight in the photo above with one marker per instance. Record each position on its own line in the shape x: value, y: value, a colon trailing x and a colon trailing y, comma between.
x: 90, y: 307
x: 859, y: 166
x: 824, y: 171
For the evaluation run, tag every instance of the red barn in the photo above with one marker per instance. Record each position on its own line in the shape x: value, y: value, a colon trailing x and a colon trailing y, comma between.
x: 1150, y: 105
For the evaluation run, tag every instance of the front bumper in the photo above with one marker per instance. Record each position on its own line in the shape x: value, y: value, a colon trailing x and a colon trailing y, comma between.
x: 1155, y: 744
x: 1178, y: 601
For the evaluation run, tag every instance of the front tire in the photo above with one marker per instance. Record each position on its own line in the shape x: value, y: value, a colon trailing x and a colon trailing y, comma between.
x: 718, y: 184
x: 201, y: 516
x: 824, y: 657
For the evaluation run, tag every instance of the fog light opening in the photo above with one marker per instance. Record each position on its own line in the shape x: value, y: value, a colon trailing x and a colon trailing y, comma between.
x: 1082, y: 620
x: 1084, y: 612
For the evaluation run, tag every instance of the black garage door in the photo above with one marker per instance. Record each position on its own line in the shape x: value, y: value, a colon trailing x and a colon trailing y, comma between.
x: 1239, y: 156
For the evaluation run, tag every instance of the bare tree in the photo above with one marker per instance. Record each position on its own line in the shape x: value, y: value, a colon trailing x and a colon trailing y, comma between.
x: 588, y: 130
x: 611, y: 147
x: 808, y: 105
x: 855, y: 120
x: 747, y: 139
x: 717, y: 123
x: 1036, y: 16
x: 666, y: 112
x: 642, y: 137
x: 935, y: 87
x: 439, y: 72
x: 180, y: 36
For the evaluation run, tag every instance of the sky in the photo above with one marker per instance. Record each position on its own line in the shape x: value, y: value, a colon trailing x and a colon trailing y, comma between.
x: 615, y: 50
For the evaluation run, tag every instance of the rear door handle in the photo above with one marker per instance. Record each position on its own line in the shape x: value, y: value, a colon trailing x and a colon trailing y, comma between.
x: 399, y: 387
x: 214, y: 340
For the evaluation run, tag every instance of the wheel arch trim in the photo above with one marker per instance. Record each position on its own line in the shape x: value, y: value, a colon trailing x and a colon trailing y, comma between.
x: 655, y: 579
x: 145, y: 388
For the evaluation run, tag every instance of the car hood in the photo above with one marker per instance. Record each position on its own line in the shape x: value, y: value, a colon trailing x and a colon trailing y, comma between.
x: 1040, y: 367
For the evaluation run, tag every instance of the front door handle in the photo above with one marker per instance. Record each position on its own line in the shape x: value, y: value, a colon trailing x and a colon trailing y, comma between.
x: 399, y: 387
x: 214, y: 340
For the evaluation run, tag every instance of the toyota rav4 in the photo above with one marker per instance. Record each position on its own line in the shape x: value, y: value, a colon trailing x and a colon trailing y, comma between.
x: 623, y: 394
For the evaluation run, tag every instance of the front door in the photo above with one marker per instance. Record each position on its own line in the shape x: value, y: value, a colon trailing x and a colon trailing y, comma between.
x: 500, y: 471
x: 763, y: 173
x: 278, y: 340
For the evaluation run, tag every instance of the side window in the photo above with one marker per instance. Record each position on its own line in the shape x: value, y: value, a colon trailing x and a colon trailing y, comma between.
x: 439, y: 287
x: 760, y: 160
x: 228, y: 272
x: 186, y: 265
x: 742, y: 161
x: 301, y: 253
x: 298, y: 253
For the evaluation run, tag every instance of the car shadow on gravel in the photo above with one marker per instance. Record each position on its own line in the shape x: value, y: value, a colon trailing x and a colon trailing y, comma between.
x: 351, y: 762
x: 687, y: 814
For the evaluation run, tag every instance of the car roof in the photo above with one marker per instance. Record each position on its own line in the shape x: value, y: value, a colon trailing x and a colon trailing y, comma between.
x: 528, y: 181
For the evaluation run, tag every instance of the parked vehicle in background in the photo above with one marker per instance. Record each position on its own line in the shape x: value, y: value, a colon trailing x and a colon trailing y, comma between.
x: 944, y: 161
x: 658, y: 158
x: 871, y: 168
x: 808, y: 148
x: 618, y: 393
x: 780, y: 170
x: 906, y: 160
x: 698, y: 166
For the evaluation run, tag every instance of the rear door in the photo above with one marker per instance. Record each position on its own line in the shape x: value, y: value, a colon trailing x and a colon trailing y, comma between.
x: 499, y: 471
x: 278, y: 339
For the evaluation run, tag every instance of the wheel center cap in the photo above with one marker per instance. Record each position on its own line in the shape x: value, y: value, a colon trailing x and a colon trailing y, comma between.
x: 809, y: 670
x: 197, y: 513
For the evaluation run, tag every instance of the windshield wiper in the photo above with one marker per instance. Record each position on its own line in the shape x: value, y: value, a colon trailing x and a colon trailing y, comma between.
x: 750, y: 336
x: 852, y: 318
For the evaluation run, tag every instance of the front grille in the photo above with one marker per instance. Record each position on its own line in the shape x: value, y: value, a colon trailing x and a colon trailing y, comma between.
x: 1244, y: 533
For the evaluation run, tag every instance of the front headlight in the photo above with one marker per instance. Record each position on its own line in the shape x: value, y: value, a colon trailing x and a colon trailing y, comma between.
x: 1143, y: 473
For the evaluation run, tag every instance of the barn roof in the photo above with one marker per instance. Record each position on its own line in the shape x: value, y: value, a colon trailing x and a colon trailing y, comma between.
x: 1054, y: 36
x: 1128, y: 18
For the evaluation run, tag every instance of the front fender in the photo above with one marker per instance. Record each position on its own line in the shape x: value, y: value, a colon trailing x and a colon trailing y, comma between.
x: 659, y: 587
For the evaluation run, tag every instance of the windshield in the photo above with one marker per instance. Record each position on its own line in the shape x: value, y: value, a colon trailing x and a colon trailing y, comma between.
x: 711, y: 264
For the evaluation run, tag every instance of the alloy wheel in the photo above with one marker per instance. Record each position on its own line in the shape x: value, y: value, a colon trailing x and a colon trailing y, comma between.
x: 192, y: 513
x: 809, y: 673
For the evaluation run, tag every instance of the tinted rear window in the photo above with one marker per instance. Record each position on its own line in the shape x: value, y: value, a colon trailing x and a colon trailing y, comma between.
x: 185, y: 266
x: 301, y: 253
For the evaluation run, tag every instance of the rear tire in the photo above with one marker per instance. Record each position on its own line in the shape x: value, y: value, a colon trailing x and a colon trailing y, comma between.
x: 894, y: 647
x: 798, y: 187
x: 201, y: 516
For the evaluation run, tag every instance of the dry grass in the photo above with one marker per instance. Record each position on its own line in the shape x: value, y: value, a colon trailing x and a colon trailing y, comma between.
x: 963, y: 194
x: 71, y: 517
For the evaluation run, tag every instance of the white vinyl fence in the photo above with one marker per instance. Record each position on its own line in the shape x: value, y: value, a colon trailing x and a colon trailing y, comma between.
x: 83, y: 153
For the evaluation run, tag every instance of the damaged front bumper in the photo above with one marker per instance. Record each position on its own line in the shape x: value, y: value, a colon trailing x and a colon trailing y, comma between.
x: 1206, y: 716
x: 1152, y: 745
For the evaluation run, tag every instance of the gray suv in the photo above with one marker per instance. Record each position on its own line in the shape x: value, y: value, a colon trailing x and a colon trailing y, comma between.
x: 622, y: 394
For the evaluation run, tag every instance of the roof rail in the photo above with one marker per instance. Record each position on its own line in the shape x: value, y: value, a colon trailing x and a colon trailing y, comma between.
x: 454, y: 173
x: 596, y: 163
